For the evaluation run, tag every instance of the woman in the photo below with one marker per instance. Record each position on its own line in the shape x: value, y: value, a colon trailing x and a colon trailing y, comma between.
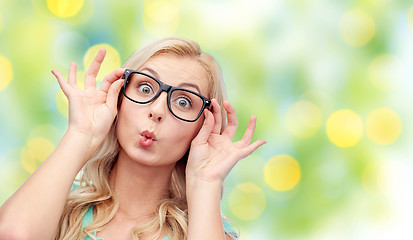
x: 152, y: 150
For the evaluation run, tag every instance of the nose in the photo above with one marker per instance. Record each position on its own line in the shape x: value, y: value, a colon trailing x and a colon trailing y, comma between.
x: 158, y: 108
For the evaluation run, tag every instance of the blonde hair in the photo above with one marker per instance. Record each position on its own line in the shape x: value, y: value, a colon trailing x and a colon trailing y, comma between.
x: 94, y: 187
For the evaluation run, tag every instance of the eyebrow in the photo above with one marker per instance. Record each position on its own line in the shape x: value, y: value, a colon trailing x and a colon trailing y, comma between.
x: 153, y: 72
x: 156, y: 75
x: 190, y: 85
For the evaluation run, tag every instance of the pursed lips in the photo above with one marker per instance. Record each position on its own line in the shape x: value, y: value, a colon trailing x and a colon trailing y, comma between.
x: 147, y: 138
x: 149, y: 134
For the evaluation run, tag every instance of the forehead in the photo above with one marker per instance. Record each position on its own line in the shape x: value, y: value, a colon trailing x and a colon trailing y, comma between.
x: 178, y: 71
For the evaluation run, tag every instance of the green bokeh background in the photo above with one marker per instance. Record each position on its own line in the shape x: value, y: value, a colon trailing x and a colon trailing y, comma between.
x: 273, y: 53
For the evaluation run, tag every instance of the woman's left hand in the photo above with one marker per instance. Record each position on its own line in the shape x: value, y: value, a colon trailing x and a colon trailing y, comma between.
x: 213, y: 154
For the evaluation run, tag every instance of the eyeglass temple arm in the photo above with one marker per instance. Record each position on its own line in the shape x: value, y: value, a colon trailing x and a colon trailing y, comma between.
x: 127, y: 71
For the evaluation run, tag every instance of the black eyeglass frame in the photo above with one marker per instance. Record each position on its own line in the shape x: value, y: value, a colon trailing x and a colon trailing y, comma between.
x: 163, y: 87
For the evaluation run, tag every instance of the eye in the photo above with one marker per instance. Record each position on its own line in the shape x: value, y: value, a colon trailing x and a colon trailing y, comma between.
x: 145, y: 88
x: 183, y: 102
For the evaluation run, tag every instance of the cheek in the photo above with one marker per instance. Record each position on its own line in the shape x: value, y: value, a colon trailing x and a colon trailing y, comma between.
x: 180, y: 141
x: 129, y: 111
x: 188, y: 131
x: 126, y: 121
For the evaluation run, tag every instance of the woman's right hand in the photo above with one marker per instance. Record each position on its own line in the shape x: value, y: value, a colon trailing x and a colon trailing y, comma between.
x: 34, y: 211
x: 91, y: 111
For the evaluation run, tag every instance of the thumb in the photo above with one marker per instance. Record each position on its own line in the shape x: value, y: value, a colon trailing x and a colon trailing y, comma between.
x: 113, y: 93
x: 206, y: 128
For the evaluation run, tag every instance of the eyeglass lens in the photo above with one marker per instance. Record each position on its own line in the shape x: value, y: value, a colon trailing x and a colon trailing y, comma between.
x: 183, y: 104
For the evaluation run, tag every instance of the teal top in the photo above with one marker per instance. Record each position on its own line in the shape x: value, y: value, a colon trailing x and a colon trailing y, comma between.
x: 88, y: 218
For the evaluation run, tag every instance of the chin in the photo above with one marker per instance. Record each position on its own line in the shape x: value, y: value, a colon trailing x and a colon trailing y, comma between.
x: 147, y: 158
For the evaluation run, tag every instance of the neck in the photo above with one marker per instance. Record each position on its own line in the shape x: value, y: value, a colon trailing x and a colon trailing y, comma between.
x: 139, y: 188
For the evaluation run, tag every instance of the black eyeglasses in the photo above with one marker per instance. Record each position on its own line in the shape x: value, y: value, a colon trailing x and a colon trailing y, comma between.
x: 184, y: 104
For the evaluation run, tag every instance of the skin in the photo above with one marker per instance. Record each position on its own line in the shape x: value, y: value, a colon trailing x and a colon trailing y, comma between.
x: 156, y: 117
x: 141, y: 176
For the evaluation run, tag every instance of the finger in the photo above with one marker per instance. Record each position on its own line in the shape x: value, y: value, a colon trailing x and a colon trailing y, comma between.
x: 232, y: 126
x: 110, y: 78
x: 206, y: 128
x: 61, y: 80
x: 250, y: 130
x: 252, y: 147
x: 113, y: 93
x: 92, y: 72
x: 245, y: 151
x: 72, y: 74
x: 216, y: 111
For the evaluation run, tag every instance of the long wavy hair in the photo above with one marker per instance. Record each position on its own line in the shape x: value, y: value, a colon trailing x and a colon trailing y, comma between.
x: 93, y: 180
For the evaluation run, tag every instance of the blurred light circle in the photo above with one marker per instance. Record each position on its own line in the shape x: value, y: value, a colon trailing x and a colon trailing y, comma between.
x: 383, y: 126
x: 6, y: 72
x: 303, y: 119
x: 282, y: 172
x: 386, y: 72
x: 69, y: 47
x: 27, y: 160
x: 344, y: 128
x: 110, y: 63
x: 247, y: 201
x: 40, y: 148
x: 161, y: 17
x: 356, y: 27
x: 64, y: 8
x: 47, y: 131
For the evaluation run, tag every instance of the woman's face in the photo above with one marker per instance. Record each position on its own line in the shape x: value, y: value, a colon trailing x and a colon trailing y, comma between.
x: 149, y: 133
